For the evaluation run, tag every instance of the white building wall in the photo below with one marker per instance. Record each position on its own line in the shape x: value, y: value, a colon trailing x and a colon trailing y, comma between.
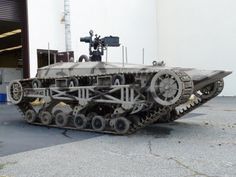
x: 134, y: 21
x: 45, y: 27
x: 199, y: 33
x: 186, y: 33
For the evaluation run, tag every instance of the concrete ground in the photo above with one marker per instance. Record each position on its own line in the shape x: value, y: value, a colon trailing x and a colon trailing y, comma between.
x: 200, y: 146
x: 18, y: 136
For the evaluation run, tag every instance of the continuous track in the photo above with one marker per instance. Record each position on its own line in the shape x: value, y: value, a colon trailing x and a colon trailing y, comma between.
x: 136, y: 121
x: 198, y: 101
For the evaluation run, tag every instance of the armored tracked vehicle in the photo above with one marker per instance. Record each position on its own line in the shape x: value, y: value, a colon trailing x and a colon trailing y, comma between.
x: 114, y: 98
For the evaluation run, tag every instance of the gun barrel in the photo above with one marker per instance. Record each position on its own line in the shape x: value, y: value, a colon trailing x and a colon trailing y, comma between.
x: 85, y: 39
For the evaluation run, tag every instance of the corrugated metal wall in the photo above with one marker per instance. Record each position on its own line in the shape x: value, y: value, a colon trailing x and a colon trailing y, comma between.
x: 16, y: 11
x: 10, y: 11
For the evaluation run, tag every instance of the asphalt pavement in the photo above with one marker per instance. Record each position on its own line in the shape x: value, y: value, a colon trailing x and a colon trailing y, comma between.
x: 18, y: 136
x: 200, y: 145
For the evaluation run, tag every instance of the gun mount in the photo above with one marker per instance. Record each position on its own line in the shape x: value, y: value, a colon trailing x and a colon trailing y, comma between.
x: 97, y: 45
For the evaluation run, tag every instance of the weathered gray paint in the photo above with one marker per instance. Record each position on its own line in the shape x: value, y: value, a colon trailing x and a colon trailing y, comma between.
x: 200, y: 78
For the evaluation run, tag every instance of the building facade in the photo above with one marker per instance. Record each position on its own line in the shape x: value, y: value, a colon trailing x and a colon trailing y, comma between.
x: 186, y: 33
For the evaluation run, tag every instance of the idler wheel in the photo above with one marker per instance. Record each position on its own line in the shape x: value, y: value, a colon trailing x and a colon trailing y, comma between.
x: 73, y: 82
x: 166, y: 87
x: 212, y: 89
x: 61, y: 119
x: 30, y: 116
x: 46, y: 117
x: 36, y: 83
x: 118, y: 79
x: 121, y: 125
x: 98, y: 123
x: 80, y: 121
x: 15, y: 92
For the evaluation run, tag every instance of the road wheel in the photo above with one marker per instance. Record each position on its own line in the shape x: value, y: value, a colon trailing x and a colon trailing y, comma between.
x: 98, y: 123
x: 80, y: 121
x: 121, y: 125
x: 46, y: 117
x: 212, y: 90
x: 61, y: 119
x: 30, y: 116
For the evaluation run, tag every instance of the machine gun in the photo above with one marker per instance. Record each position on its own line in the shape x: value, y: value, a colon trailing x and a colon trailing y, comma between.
x: 97, y: 45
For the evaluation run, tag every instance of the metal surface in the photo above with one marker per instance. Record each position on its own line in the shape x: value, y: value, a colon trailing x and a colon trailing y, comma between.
x: 98, y: 45
x: 14, y: 15
x: 10, y: 11
x: 25, y: 39
x: 166, y: 88
x: 169, y: 89
x: 123, y: 97
x: 200, y: 78
x: 67, y: 25
x: 104, y: 96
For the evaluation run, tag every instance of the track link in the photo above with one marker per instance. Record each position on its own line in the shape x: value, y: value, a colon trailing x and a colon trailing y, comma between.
x: 145, y: 119
x: 192, y: 105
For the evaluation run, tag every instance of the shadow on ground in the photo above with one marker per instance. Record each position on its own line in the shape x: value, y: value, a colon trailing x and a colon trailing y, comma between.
x: 170, y: 129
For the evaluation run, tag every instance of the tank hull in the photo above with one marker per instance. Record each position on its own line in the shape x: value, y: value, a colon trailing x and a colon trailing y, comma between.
x: 200, y: 78
x: 113, y: 98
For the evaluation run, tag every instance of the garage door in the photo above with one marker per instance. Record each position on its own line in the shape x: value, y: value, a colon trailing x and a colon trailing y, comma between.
x: 10, y: 11
x: 13, y: 17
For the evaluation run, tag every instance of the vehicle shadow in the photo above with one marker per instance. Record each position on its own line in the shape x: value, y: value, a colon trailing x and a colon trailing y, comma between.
x: 178, y: 128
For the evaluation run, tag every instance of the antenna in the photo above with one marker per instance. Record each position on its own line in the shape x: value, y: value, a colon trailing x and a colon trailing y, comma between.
x: 106, y: 53
x: 126, y: 54
x: 143, y: 52
x: 123, y: 56
x: 49, y: 57
x: 67, y: 25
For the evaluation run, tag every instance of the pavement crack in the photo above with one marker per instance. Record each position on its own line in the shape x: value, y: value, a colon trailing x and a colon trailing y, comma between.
x: 195, y: 173
x: 64, y: 133
x: 150, y: 149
